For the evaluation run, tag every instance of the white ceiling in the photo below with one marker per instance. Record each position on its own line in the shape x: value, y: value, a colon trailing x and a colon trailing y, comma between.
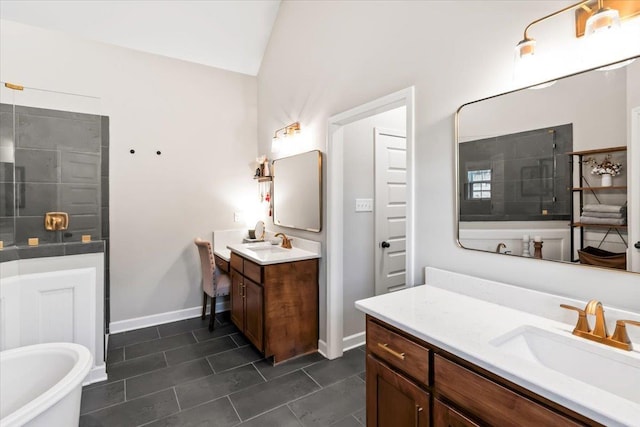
x: 226, y: 34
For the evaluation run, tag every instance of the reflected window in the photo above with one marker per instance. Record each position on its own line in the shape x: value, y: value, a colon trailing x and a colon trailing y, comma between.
x: 479, y: 184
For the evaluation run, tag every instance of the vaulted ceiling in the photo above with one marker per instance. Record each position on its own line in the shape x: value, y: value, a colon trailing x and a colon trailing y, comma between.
x: 226, y: 34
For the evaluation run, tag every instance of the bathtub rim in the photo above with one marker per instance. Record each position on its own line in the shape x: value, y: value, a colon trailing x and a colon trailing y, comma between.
x: 59, y: 390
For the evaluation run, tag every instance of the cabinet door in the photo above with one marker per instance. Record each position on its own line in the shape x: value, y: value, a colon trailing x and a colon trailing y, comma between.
x: 253, y: 313
x: 446, y: 416
x: 392, y: 399
x: 237, y: 299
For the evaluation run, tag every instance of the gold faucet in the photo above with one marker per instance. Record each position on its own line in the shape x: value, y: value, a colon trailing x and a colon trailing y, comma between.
x: 619, y: 338
x: 286, y: 242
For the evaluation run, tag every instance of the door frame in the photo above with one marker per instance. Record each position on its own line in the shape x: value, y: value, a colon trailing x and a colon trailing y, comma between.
x: 333, y: 347
x: 633, y: 178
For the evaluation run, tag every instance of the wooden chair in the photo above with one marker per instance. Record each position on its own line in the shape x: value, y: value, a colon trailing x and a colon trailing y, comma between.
x: 215, y: 283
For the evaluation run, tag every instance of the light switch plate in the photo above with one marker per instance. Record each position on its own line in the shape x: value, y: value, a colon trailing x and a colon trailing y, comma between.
x: 237, y: 216
x: 364, y: 205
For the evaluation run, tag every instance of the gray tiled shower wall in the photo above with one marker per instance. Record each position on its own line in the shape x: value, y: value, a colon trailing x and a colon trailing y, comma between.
x: 61, y: 165
x: 530, y: 174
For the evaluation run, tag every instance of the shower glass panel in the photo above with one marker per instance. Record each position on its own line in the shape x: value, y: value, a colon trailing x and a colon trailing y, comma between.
x: 51, y: 161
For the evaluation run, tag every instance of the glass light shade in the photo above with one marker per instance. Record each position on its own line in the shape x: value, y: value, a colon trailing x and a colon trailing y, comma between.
x: 526, y: 48
x: 601, y: 20
x: 276, y: 145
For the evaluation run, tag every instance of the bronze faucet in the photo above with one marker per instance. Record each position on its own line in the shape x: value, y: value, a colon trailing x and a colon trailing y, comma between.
x: 619, y: 338
x: 286, y: 242
x: 500, y: 246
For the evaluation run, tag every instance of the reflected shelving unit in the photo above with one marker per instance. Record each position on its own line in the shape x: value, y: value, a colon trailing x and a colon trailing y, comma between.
x: 583, y: 188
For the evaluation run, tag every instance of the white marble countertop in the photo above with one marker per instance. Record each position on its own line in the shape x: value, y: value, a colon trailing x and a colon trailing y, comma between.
x: 465, y: 326
x: 224, y: 253
x: 265, y: 253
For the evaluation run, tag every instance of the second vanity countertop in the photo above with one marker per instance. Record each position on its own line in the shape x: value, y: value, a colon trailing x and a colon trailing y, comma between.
x: 264, y: 253
x: 466, y: 327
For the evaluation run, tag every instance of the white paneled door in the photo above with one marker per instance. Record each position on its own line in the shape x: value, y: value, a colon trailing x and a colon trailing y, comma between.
x: 390, y: 164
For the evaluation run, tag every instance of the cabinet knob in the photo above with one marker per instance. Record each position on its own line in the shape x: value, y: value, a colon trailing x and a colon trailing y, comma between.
x: 385, y: 244
x: 637, y: 245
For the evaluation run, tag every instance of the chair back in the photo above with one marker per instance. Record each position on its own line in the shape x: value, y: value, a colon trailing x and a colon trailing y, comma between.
x: 208, y: 266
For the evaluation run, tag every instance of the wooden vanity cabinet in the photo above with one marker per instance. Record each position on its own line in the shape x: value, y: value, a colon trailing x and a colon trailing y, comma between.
x: 276, y: 306
x: 247, y: 308
x: 221, y: 263
x: 413, y: 383
x: 446, y: 416
x: 392, y: 399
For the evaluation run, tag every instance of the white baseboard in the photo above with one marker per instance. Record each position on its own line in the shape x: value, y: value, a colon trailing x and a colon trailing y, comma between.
x: 353, y: 341
x: 158, y: 319
x: 96, y: 374
x: 322, y: 348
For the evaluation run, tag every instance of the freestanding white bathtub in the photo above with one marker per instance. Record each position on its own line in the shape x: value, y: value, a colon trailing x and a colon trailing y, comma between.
x: 41, y: 385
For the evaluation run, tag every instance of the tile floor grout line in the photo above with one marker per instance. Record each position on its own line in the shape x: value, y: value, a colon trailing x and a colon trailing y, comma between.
x: 231, y: 349
x: 142, y: 395
x: 256, y: 368
x: 210, y: 365
x: 294, y: 414
x: 312, y: 379
x: 356, y: 418
x: 175, y: 393
x: 228, y: 396
x: 176, y: 348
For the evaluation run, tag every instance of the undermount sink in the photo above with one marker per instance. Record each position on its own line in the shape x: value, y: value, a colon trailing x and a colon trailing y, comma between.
x: 615, y: 371
x: 266, y: 247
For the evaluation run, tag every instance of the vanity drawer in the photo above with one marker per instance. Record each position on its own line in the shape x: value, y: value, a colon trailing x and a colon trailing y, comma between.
x: 253, y: 271
x: 489, y: 401
x: 222, y: 264
x: 400, y: 352
x: 237, y: 263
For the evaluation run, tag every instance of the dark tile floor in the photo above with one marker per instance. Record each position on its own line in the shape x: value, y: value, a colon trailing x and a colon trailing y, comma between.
x: 180, y: 374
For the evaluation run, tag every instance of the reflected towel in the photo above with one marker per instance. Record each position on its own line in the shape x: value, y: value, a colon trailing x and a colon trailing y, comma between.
x: 603, y: 214
x: 603, y: 221
x: 603, y: 208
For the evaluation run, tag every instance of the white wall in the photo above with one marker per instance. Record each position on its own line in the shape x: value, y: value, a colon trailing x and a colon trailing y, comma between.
x: 326, y: 57
x: 202, y: 119
x: 587, y: 101
x: 359, y: 244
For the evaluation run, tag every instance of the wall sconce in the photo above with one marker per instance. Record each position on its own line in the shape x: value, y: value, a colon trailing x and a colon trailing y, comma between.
x: 607, y: 15
x: 287, y: 133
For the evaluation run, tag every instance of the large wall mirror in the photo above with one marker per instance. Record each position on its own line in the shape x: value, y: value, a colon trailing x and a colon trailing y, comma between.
x: 297, y: 191
x: 544, y: 172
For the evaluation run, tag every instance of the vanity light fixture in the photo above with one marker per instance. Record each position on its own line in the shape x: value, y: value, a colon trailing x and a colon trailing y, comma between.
x: 526, y: 48
x: 588, y: 21
x: 287, y: 132
x: 602, y: 19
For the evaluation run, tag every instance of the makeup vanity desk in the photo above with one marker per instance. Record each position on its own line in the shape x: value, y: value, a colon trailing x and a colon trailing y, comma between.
x: 274, y: 295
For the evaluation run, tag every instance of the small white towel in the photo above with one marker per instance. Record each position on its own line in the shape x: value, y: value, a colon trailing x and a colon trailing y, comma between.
x: 603, y: 214
x: 603, y: 221
x: 603, y: 208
